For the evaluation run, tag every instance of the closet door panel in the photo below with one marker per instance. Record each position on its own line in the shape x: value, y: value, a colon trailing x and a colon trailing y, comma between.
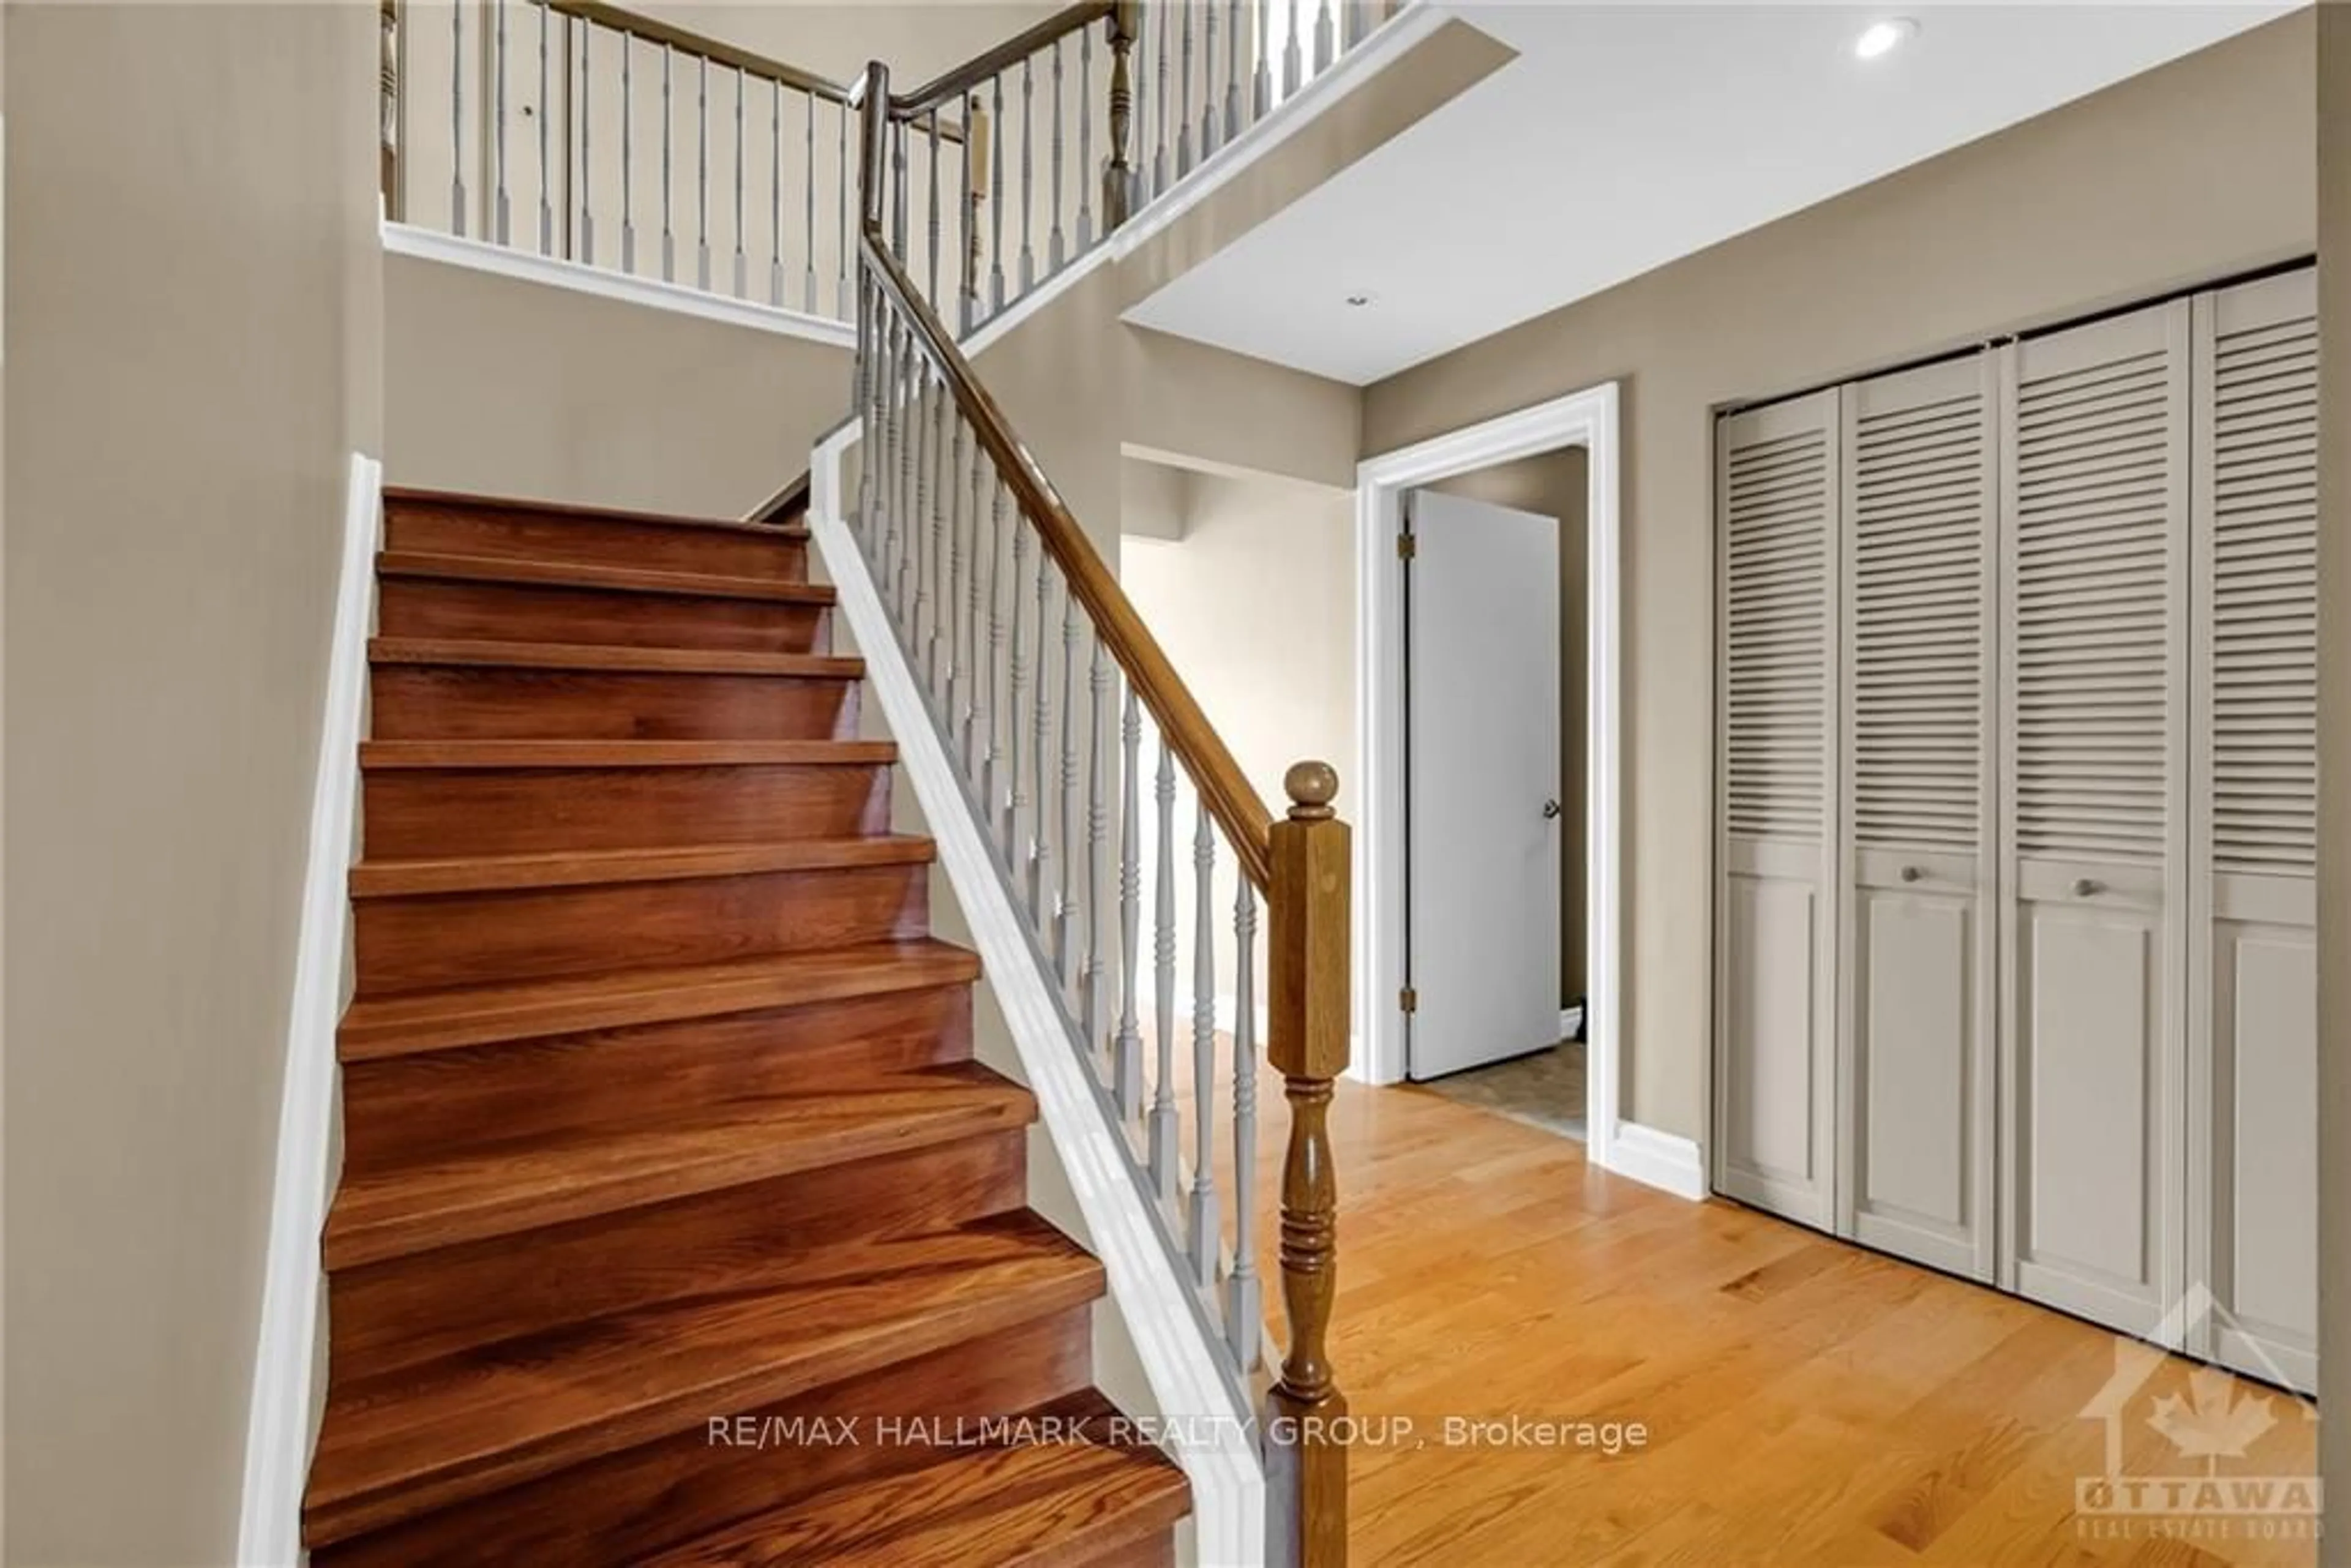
x: 2094, y: 549
x: 1776, y: 480
x: 2253, y: 1046
x: 1916, y: 866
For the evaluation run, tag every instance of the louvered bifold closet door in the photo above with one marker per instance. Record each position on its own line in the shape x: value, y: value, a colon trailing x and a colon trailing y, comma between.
x: 2254, y: 996
x: 1777, y: 482
x: 1914, y: 1089
x: 2094, y: 551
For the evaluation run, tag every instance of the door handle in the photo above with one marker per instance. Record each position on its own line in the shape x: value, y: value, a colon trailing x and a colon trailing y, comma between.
x: 1550, y: 810
x: 1910, y: 873
x: 2087, y: 887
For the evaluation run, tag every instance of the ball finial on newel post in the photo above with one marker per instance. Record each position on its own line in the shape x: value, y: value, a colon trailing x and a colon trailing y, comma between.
x: 1312, y: 787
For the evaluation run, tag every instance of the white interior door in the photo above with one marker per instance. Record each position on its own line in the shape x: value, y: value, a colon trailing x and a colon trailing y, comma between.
x: 1485, y: 806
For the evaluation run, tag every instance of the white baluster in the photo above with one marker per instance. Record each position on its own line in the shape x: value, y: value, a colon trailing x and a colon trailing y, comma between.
x: 924, y: 647
x: 1184, y: 114
x: 1041, y: 853
x: 1164, y: 1149
x: 1126, y: 1053
x: 1261, y: 87
x: 458, y: 119
x: 993, y: 795
x: 702, y: 172
x: 1065, y: 952
x: 1236, y: 39
x: 1159, y: 143
x: 1097, y: 828
x: 996, y: 202
x: 776, y: 191
x: 839, y: 210
x: 587, y: 34
x: 1055, y: 245
x: 669, y: 118
x: 628, y: 154
x: 1244, y: 1304
x: 546, y: 185
x: 1291, y: 62
x: 1086, y: 176
x: 1015, y: 718
x: 966, y: 283
x: 1202, y: 1230
x: 1028, y: 175
x: 498, y: 122
x: 957, y: 716
x: 1209, y: 123
x: 934, y: 143
x: 742, y: 277
x: 983, y: 568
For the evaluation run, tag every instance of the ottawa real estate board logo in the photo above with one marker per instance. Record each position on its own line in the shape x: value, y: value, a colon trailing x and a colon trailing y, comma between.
x: 2196, y: 1453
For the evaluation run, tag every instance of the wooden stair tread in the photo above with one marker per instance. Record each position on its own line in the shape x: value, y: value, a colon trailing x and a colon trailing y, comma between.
x: 456, y: 753
x: 472, y: 1015
x: 418, y: 1440
x: 403, y: 495
x: 1044, y: 1499
x: 517, y: 1187
x: 476, y: 873
x: 517, y: 570
x: 609, y: 656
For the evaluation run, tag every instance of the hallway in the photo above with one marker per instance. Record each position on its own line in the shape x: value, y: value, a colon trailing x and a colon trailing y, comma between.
x: 1806, y: 1402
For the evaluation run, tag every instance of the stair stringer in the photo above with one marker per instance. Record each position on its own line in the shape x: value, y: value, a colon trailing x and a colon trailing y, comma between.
x: 1209, y: 1425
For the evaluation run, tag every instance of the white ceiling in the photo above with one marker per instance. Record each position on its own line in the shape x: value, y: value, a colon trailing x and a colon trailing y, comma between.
x: 1624, y: 136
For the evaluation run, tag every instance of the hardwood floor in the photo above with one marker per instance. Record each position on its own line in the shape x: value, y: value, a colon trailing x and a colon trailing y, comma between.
x: 1806, y: 1402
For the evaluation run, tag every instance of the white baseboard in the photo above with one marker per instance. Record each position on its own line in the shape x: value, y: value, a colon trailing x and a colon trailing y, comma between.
x: 1228, y: 1494
x: 278, y: 1423
x: 1662, y: 1160
x: 1569, y: 1020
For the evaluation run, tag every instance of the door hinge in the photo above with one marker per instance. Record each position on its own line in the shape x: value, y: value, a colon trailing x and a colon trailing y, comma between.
x: 1406, y: 549
x: 1408, y: 999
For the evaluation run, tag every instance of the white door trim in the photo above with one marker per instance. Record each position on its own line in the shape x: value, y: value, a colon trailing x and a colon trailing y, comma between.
x: 1587, y: 419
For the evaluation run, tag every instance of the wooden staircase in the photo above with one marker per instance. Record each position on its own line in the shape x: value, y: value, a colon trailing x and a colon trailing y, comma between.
x: 661, y: 1133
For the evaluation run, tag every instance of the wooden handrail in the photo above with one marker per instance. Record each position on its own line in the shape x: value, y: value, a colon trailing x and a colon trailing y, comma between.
x: 693, y: 43
x: 954, y: 84
x: 1223, y: 786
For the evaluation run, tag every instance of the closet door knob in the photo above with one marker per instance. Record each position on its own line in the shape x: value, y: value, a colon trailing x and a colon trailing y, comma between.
x: 2086, y: 887
x: 1910, y: 873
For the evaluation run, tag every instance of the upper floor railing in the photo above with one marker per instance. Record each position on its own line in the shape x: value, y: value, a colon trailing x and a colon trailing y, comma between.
x: 1060, y: 710
x: 578, y: 131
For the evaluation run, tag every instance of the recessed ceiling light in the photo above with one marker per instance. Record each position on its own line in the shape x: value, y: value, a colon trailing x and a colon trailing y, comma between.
x: 1883, y: 37
x: 1359, y: 301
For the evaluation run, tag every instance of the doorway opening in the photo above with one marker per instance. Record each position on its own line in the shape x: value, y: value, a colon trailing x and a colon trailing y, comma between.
x: 1464, y: 935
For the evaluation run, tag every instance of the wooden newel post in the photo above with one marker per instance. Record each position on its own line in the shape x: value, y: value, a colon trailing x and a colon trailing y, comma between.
x: 1307, y: 993
x: 1118, y: 179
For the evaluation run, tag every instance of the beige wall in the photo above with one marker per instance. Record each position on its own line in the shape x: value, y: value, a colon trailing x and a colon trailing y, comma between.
x: 1552, y: 484
x: 1248, y: 589
x: 2189, y: 172
x: 193, y: 320
x: 1255, y: 607
x: 506, y: 387
x: 2334, y: 772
